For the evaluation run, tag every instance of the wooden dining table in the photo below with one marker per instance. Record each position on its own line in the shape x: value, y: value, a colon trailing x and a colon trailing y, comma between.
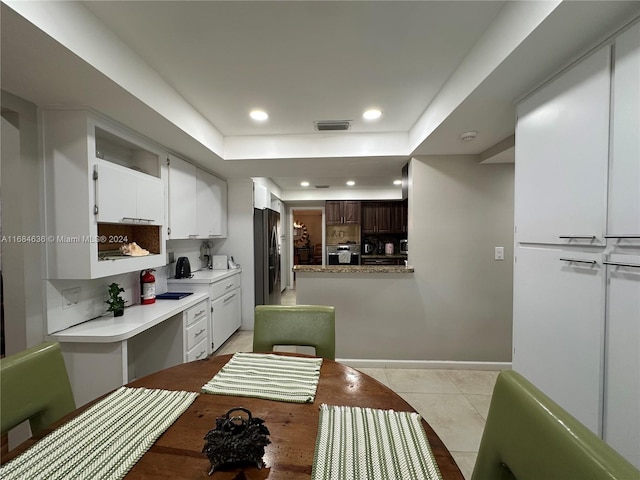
x: 293, y: 427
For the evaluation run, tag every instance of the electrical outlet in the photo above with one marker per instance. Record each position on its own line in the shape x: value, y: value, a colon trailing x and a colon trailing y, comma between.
x: 70, y: 297
x: 499, y: 253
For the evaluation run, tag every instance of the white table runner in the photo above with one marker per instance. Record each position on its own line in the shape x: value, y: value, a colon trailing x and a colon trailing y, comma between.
x: 269, y: 376
x: 103, y: 442
x: 364, y: 443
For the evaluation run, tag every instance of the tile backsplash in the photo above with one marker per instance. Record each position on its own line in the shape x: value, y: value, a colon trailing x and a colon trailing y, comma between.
x: 340, y: 234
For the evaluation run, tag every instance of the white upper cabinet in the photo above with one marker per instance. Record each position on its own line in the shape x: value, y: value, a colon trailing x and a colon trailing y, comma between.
x: 562, y: 150
x: 127, y: 196
x: 211, y: 205
x: 104, y: 188
x: 182, y: 199
x: 197, y: 202
x: 624, y: 174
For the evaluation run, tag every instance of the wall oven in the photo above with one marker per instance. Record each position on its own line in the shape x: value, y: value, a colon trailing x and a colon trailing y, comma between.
x: 347, y: 254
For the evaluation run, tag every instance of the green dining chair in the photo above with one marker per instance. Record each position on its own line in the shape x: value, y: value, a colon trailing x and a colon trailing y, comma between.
x: 300, y: 325
x: 530, y: 437
x: 34, y: 386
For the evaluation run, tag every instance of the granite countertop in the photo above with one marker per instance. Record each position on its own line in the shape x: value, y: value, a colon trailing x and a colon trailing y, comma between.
x: 353, y: 269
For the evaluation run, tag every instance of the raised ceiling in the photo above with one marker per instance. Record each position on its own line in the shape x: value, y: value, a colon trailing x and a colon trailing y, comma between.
x: 187, y: 74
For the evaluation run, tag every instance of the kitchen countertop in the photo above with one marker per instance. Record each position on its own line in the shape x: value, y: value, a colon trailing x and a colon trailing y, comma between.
x: 205, y: 276
x: 353, y: 268
x: 136, y: 319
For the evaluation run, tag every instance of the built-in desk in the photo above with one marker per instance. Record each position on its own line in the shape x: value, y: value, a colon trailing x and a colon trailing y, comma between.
x: 108, y: 352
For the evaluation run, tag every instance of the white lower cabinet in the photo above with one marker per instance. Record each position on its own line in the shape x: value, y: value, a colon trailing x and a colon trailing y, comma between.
x: 225, y: 313
x: 196, y: 331
x: 558, y: 328
x: 225, y: 295
x: 621, y: 427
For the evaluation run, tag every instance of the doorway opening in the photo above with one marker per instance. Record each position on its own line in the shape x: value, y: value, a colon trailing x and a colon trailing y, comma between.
x: 308, y: 237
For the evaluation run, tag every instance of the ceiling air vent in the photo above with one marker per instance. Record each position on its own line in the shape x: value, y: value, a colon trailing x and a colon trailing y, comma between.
x: 332, y: 125
x: 322, y: 186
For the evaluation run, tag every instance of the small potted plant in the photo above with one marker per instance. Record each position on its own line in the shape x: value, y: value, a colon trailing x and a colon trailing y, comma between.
x: 115, y: 302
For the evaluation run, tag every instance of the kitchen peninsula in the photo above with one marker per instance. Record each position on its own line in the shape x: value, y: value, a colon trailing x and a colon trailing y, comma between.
x: 350, y: 269
x: 378, y: 315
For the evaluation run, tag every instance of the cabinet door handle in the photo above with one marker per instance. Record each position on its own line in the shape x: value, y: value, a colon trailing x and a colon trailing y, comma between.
x: 200, y: 354
x: 229, y: 298
x: 579, y: 237
x: 577, y: 260
x: 622, y: 264
x: 200, y: 332
x: 632, y: 235
x: 229, y: 286
x: 199, y: 313
x: 136, y: 220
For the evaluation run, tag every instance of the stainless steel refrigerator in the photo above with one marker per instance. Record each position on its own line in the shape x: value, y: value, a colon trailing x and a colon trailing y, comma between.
x: 266, y: 246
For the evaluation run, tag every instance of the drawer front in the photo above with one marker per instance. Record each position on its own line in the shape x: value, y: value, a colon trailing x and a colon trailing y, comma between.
x: 198, y: 352
x: 196, y: 333
x: 224, y: 286
x: 196, y: 313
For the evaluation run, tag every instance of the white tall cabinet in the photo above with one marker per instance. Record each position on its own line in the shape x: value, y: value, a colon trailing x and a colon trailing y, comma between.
x: 577, y: 241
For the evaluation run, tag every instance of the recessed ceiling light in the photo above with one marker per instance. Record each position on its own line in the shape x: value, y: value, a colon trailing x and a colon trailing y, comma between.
x: 372, y: 114
x: 351, y: 183
x: 259, y: 115
x: 397, y: 182
x: 468, y: 136
x: 304, y: 184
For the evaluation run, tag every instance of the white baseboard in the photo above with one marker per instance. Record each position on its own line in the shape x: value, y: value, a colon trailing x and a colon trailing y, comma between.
x: 433, y: 364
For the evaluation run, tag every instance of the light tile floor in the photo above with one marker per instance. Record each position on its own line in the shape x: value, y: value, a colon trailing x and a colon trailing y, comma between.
x: 454, y: 402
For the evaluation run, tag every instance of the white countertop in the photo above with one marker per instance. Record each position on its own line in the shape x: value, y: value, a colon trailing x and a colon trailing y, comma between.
x: 136, y: 319
x: 202, y: 276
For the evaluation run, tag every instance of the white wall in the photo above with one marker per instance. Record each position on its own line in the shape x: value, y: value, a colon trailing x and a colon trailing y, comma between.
x: 21, y: 198
x: 459, y: 211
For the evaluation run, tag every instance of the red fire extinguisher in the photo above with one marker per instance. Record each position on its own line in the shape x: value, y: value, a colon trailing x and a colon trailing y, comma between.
x: 147, y: 287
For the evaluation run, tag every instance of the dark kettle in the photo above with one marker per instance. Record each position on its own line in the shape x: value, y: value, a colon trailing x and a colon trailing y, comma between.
x: 183, y: 268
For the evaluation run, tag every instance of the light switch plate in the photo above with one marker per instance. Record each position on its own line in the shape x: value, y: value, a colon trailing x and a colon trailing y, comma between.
x: 499, y: 253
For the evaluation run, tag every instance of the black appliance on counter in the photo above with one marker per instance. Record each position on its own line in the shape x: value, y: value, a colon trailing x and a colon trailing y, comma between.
x: 266, y: 246
x: 183, y: 268
x: 348, y: 254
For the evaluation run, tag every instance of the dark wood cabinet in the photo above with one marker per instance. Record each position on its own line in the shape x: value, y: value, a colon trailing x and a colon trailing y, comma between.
x: 399, y: 217
x: 376, y: 217
x: 342, y: 212
x: 383, y: 261
x: 384, y: 217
